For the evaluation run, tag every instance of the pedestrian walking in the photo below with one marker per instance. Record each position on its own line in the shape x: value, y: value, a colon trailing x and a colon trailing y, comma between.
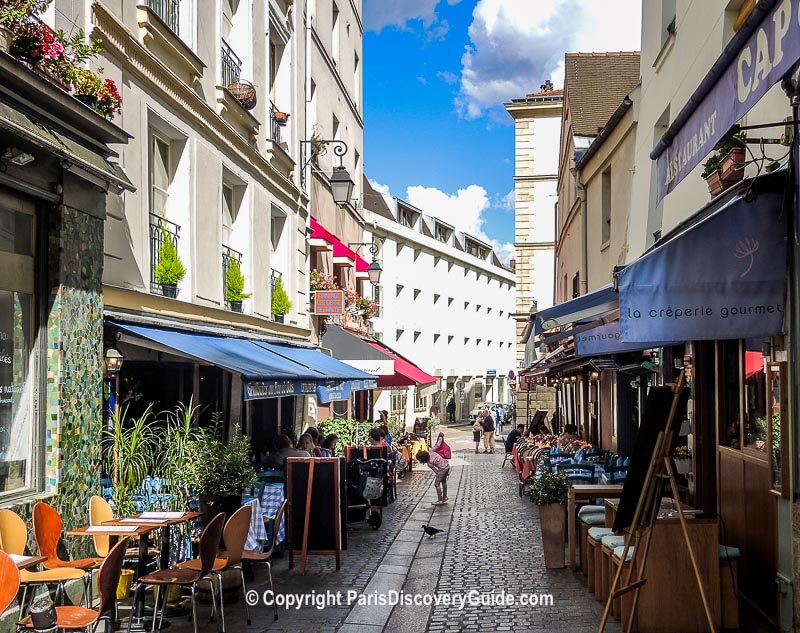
x: 451, y: 410
x: 499, y: 418
x: 441, y: 469
x: 477, y: 428
x: 488, y: 432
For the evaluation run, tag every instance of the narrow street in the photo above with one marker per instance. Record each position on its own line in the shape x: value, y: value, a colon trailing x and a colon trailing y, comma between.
x: 491, y: 544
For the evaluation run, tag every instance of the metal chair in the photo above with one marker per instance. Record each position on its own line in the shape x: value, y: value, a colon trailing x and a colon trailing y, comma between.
x: 578, y: 473
x: 235, y: 536
x: 80, y: 618
x: 14, y: 540
x: 254, y: 556
x: 616, y: 474
x: 187, y: 577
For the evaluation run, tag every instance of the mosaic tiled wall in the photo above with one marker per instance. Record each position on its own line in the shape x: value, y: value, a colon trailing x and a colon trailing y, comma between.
x: 74, y: 361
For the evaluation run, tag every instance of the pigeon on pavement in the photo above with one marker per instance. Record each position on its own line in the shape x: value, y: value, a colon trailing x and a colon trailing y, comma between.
x: 431, y: 531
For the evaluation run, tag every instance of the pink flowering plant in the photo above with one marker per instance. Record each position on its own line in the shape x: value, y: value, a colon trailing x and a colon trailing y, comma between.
x: 322, y: 281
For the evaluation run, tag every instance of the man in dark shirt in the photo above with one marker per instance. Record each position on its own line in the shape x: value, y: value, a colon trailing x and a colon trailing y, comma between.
x: 512, y: 437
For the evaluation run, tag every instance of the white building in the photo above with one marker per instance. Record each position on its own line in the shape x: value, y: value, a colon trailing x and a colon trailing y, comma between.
x: 537, y: 125
x: 446, y: 303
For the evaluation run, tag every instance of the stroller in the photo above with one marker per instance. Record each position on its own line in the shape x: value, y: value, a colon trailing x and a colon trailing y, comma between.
x: 366, y: 490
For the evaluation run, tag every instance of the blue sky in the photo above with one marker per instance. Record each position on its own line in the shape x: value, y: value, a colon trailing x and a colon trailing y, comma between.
x: 436, y: 73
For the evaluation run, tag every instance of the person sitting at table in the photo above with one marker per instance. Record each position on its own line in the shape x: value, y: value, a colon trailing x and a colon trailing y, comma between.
x: 375, y: 438
x: 316, y: 451
x: 329, y: 444
x: 386, y: 435
x: 282, y: 448
x: 512, y: 437
x: 306, y: 443
x: 570, y: 433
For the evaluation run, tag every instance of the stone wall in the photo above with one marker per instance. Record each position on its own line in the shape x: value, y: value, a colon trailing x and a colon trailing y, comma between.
x: 540, y: 398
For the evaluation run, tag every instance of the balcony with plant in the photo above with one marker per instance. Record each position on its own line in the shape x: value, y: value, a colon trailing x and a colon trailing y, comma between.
x: 281, y: 305
x: 234, y: 283
x: 59, y: 58
x: 169, y: 270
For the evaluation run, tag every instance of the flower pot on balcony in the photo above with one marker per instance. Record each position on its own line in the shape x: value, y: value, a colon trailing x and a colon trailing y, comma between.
x: 715, y: 184
x: 244, y: 92
x: 170, y: 290
x: 87, y: 100
x: 732, y: 170
x: 236, y: 306
x: 278, y: 318
x: 281, y: 118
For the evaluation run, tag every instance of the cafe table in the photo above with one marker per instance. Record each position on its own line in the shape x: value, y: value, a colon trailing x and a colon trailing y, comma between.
x: 26, y: 562
x: 585, y: 492
x: 140, y: 525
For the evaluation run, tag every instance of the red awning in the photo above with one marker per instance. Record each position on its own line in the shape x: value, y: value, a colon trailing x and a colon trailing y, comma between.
x: 406, y: 373
x: 339, y: 248
x: 753, y: 363
x: 362, y: 267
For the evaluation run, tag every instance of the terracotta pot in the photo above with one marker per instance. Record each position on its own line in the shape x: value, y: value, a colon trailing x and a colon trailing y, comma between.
x: 553, y: 521
x: 732, y: 170
x: 715, y: 184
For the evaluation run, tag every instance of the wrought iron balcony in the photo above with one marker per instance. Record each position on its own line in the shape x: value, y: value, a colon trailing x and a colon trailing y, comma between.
x: 168, y: 11
x: 228, y: 254
x: 231, y: 65
x: 273, y: 282
x: 160, y: 229
x: 275, y: 125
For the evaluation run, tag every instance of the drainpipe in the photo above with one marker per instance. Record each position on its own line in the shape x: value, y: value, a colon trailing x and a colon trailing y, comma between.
x: 584, y: 233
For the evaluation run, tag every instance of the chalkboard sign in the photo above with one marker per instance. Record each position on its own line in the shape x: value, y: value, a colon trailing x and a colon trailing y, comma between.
x: 654, y: 421
x: 537, y: 419
x: 314, y: 491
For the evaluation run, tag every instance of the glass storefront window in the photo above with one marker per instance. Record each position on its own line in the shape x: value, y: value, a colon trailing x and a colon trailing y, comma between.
x: 17, y: 336
x: 730, y: 414
x: 755, y: 396
x: 776, y: 380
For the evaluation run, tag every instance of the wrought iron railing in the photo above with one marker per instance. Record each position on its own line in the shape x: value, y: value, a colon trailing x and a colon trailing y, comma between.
x: 228, y: 254
x: 275, y: 127
x: 160, y: 229
x: 168, y: 11
x: 274, y: 275
x: 231, y: 65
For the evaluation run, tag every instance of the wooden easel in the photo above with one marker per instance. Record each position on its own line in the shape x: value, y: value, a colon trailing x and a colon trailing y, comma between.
x: 644, y: 520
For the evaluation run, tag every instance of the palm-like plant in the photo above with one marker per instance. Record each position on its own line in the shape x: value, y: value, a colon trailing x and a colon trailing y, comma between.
x: 132, y: 453
x: 180, y: 431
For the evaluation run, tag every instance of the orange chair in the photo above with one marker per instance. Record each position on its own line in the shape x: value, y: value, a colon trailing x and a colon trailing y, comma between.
x: 47, y: 529
x: 254, y: 556
x: 235, y: 536
x: 13, y: 540
x: 9, y: 581
x: 80, y: 618
x: 187, y: 577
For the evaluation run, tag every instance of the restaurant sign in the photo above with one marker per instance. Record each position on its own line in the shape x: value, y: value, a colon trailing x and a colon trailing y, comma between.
x: 328, y: 302
x: 605, y: 339
x: 263, y: 389
x: 768, y: 55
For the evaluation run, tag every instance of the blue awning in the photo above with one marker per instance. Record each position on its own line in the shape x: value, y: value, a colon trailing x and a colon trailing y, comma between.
x: 269, y: 370
x: 720, y: 275
x: 592, y: 304
x: 606, y: 339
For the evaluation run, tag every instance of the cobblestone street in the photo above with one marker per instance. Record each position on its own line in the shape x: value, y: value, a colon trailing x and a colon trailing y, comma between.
x: 491, y: 544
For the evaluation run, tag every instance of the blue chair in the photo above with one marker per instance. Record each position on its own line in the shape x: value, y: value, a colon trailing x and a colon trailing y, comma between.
x: 596, y: 455
x: 272, y: 475
x: 578, y: 473
x: 616, y: 474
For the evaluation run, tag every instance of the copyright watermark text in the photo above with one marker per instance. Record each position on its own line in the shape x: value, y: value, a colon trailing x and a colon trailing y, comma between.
x: 327, y: 599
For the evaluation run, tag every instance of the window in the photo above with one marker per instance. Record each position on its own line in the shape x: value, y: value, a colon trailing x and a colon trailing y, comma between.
x: 576, y: 285
x: 277, y: 225
x: 420, y: 401
x: 398, y: 334
x: 478, y: 389
x: 399, y: 399
x: 335, y: 34
x: 436, y: 338
x: 449, y: 339
x: 416, y: 335
x: 398, y: 289
x: 436, y: 298
x: 667, y: 20
x: 442, y: 233
x: 416, y: 293
x: 356, y: 77
x: 228, y: 213
x: 407, y: 218
x: 755, y: 396
x: 335, y: 127
x: 160, y: 175
x: 17, y: 347
x: 466, y: 304
x: 478, y: 342
x: 466, y: 340
x: 477, y: 307
x: 450, y: 301
x: 605, y: 230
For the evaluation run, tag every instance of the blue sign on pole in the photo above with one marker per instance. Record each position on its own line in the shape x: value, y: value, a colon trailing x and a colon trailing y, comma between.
x: 334, y: 391
x: 724, y: 278
x: 770, y: 53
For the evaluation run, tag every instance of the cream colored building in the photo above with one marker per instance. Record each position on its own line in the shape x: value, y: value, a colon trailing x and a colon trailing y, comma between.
x: 537, y: 125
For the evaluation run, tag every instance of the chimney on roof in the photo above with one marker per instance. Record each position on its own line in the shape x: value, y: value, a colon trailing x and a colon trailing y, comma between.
x: 513, y: 264
x: 547, y: 86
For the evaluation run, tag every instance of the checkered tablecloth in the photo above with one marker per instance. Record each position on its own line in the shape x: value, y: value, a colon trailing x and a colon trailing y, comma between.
x: 267, y: 508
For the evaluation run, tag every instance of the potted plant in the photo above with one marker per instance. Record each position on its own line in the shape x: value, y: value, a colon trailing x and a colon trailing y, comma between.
x: 280, y: 301
x: 95, y: 92
x: 682, y: 456
x: 725, y: 167
x: 550, y: 492
x: 234, y: 286
x: 280, y: 118
x: 131, y: 448
x: 218, y: 471
x: 170, y: 269
x: 322, y: 281
x: 367, y: 307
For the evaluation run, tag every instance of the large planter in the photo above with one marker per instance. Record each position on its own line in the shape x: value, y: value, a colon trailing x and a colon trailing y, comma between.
x: 170, y: 290
x: 87, y: 100
x: 732, y: 169
x: 715, y: 184
x: 552, y: 518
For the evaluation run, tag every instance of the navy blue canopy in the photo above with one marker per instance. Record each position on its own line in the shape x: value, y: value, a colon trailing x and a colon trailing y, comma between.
x: 592, y: 304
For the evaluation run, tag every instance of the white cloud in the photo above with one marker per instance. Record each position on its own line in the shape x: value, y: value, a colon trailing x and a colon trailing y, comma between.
x: 382, y: 189
x: 508, y: 202
x: 464, y: 210
x: 447, y: 77
x: 516, y: 44
x: 379, y: 14
x: 422, y: 80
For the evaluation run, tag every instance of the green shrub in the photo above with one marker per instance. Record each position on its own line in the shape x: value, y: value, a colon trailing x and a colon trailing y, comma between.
x: 234, y: 282
x: 349, y: 432
x: 170, y: 269
x: 549, y: 487
x: 280, y: 300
